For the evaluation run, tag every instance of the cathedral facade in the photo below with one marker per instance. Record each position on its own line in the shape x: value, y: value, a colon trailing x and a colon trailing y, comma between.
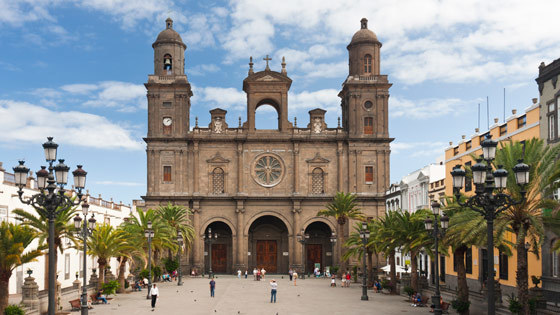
x: 258, y: 190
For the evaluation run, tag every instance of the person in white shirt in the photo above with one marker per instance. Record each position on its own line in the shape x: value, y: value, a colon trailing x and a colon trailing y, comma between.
x: 273, y: 288
x: 254, y: 273
x: 154, y: 292
x: 263, y: 272
x: 239, y: 273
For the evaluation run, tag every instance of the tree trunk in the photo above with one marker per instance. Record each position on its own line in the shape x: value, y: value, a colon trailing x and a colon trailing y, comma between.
x: 102, y: 263
x: 414, y: 271
x: 4, y: 289
x: 393, y: 273
x: 341, y: 250
x: 522, y: 278
x: 122, y: 270
x: 462, y: 287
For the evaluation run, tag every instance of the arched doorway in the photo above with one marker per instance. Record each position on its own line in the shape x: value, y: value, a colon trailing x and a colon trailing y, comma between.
x: 319, y: 248
x: 219, y: 250
x: 268, y: 245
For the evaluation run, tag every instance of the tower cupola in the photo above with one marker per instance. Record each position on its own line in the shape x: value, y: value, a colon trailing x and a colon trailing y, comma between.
x: 363, y: 52
x: 169, y: 52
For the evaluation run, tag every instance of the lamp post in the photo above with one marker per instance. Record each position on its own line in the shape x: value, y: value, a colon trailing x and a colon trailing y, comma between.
x: 303, y: 238
x: 52, y: 201
x: 209, y: 240
x: 85, y: 228
x: 180, y: 242
x: 333, y: 244
x: 433, y: 226
x: 364, y: 235
x: 489, y: 199
x: 149, y: 233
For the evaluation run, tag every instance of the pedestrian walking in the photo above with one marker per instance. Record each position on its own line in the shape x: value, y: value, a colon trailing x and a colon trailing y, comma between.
x: 291, y: 273
x: 273, y: 288
x: 343, y: 280
x: 246, y: 273
x: 212, y: 287
x: 348, y: 277
x: 255, y: 274
x: 263, y: 272
x: 238, y: 273
x: 154, y: 292
x: 295, y: 277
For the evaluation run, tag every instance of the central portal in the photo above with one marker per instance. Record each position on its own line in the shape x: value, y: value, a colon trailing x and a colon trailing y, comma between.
x: 268, y: 245
x: 266, y: 255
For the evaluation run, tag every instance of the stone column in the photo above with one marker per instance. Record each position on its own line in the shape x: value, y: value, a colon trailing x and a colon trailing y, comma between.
x: 295, y: 168
x: 339, y: 167
x: 198, y: 239
x: 239, y: 168
x: 195, y: 168
x: 93, y: 280
x: 30, y: 293
x: 240, y: 236
x: 295, y: 254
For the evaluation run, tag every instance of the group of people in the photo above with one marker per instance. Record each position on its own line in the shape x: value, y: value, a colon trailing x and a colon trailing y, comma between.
x: 346, y: 278
x: 293, y: 275
x: 258, y: 274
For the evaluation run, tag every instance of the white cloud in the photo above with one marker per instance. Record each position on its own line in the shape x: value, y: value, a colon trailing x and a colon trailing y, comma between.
x: 221, y: 97
x: 416, y: 149
x: 27, y: 122
x: 201, y: 70
x: 427, y: 108
x: 114, y: 183
x: 326, y: 99
x: 79, y: 88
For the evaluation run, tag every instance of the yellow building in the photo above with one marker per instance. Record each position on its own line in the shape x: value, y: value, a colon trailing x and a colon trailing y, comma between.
x: 517, y: 127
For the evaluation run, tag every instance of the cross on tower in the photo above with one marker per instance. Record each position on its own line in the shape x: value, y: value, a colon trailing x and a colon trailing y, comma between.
x: 267, y: 59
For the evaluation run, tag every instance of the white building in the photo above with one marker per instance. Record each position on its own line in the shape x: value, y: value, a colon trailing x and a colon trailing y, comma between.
x: 70, y: 261
x: 414, y: 192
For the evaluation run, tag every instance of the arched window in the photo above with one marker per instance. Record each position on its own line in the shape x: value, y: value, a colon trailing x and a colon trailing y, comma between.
x: 367, y: 63
x: 218, y: 180
x: 318, y: 181
x: 167, y: 63
x: 368, y: 125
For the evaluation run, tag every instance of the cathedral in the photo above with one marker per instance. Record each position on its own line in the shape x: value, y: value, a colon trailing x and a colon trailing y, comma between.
x: 257, y: 192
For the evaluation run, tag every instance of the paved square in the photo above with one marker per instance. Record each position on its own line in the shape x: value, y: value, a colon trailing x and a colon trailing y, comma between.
x: 240, y: 296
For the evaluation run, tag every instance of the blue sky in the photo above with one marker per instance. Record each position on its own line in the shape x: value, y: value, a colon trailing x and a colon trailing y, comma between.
x: 75, y: 70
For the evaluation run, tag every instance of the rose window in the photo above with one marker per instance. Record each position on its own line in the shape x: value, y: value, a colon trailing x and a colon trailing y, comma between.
x: 268, y: 170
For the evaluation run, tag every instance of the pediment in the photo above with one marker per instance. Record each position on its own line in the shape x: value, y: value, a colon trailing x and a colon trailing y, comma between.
x: 217, y: 159
x: 317, y: 159
x: 267, y: 78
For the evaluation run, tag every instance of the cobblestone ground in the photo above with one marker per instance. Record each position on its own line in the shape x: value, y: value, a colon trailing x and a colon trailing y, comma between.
x: 246, y: 296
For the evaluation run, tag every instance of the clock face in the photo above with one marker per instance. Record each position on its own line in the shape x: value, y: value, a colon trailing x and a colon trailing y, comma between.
x: 167, y: 121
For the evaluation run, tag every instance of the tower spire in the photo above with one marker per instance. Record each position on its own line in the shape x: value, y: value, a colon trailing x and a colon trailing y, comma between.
x: 284, y: 71
x: 251, y: 65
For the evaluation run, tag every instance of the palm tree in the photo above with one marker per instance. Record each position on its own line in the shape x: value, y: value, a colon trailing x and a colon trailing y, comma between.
x: 63, y: 228
x: 388, y: 241
x: 525, y: 220
x: 106, y: 242
x: 342, y: 208
x: 177, y: 217
x: 355, y: 246
x: 466, y: 228
x: 14, y: 239
x: 128, y: 254
x: 413, y: 236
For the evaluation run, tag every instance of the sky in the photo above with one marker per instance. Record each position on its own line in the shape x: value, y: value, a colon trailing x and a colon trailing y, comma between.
x: 75, y: 69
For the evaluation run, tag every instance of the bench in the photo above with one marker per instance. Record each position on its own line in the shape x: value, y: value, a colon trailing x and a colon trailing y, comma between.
x: 76, y: 305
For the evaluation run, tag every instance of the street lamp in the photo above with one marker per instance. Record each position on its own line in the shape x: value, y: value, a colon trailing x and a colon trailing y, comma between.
x: 209, y: 240
x: 180, y: 243
x: 86, y: 229
x: 51, y: 202
x: 149, y: 234
x: 303, y: 238
x: 489, y: 199
x: 432, y: 226
x: 364, y: 235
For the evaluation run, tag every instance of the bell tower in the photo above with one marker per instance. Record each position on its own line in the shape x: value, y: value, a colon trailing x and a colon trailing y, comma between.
x: 365, y: 93
x: 169, y: 90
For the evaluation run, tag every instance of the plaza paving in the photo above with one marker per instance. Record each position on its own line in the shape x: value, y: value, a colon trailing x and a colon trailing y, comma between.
x: 246, y: 296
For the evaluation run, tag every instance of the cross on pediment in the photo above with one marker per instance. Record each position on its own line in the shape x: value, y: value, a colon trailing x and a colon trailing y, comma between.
x: 267, y: 59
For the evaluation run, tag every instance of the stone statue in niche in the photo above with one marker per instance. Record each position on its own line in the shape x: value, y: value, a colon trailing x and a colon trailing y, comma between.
x: 317, y: 125
x: 218, y: 125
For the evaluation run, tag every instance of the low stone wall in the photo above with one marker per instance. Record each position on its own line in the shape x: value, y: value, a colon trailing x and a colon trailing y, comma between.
x: 66, y: 295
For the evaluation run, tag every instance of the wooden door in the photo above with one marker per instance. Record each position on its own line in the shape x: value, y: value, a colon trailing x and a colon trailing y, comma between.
x: 314, y: 255
x: 267, y: 256
x: 219, y: 258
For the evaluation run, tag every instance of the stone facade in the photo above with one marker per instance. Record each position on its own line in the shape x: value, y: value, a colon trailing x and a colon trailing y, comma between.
x: 258, y: 189
x: 549, y: 90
